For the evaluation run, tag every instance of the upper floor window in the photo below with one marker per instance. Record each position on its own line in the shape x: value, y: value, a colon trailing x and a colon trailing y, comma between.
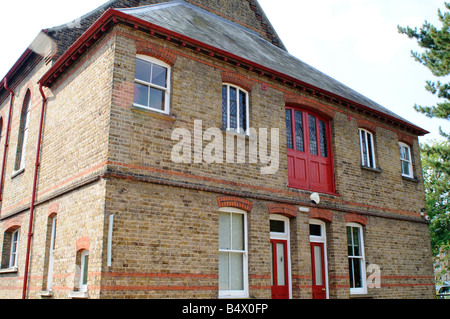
x: 405, y: 160
x: 152, y: 84
x: 233, y: 269
x: 235, y: 110
x: 309, y: 151
x: 23, y: 133
x: 367, y: 146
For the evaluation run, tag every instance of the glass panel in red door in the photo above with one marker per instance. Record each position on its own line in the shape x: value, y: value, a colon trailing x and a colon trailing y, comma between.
x: 318, y: 271
x: 279, y: 279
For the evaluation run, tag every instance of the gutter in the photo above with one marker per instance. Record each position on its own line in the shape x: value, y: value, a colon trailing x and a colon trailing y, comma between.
x: 2, y: 178
x: 33, y: 195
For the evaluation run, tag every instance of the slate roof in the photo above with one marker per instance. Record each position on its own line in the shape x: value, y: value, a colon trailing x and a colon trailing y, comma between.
x: 201, y: 25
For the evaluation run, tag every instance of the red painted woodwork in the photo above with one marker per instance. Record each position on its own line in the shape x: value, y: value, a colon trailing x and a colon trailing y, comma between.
x: 279, y: 291
x: 319, y: 290
x: 307, y: 170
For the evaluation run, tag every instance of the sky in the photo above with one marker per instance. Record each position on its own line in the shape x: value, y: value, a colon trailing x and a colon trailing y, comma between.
x: 354, y: 41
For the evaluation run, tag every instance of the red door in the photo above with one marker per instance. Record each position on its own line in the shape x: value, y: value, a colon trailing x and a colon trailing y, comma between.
x: 319, y: 289
x: 280, y: 278
x: 309, y: 151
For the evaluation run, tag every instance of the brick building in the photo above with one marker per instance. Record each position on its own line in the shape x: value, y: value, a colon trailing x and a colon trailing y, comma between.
x: 118, y: 180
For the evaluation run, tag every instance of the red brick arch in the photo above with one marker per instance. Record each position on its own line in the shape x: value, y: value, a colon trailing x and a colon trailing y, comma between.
x: 283, y: 209
x: 83, y: 243
x: 310, y: 104
x: 355, y: 218
x: 322, y: 214
x: 236, y: 202
x: 156, y: 51
x: 237, y: 79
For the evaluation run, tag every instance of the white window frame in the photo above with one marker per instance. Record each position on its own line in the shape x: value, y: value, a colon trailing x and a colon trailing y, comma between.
x: 363, y: 289
x: 83, y: 270
x: 370, y: 154
x: 153, y: 60
x: 14, y: 251
x: 404, y: 160
x: 321, y: 239
x: 238, y: 118
x: 245, y: 292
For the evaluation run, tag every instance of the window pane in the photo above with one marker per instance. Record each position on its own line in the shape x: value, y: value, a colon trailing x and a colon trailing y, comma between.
x: 356, y: 250
x: 140, y: 94
x: 277, y: 226
x: 281, y: 277
x: 356, y: 268
x: 299, y: 131
x: 243, y: 110
x: 237, y: 271
x: 238, y: 232
x: 323, y: 139
x: 143, y: 70
x: 349, y: 241
x: 318, y: 265
x: 233, y: 108
x: 370, y: 149
x: 159, y: 75
x: 312, y: 135
x: 157, y: 99
x: 405, y: 168
x: 224, y: 231
x: 289, y: 129
x: 315, y: 230
x: 224, y: 106
x: 224, y: 273
x: 85, y: 269
x: 363, y: 148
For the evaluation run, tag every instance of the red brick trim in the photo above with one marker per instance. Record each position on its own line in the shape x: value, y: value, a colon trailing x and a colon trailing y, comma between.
x: 304, y: 102
x: 236, y: 202
x: 237, y: 79
x: 53, y: 209
x: 407, y: 139
x: 12, y: 224
x: 156, y: 51
x: 366, y: 125
x: 283, y: 209
x: 322, y: 214
x: 83, y: 243
x: 354, y: 218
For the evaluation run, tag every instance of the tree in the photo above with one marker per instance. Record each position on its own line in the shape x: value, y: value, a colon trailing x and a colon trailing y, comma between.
x: 436, y: 156
x: 437, y: 59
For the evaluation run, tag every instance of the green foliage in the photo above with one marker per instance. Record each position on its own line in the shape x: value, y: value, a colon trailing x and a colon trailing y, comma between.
x: 436, y: 156
x: 436, y: 57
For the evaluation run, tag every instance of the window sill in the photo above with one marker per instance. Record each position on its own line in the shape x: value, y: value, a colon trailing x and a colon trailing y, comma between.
x: 372, y: 169
x: 9, y: 270
x: 411, y: 179
x: 78, y: 294
x: 153, y: 112
x: 18, y: 172
x: 45, y: 293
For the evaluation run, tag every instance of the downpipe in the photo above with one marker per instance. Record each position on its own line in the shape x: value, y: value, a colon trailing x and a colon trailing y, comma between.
x: 33, y: 195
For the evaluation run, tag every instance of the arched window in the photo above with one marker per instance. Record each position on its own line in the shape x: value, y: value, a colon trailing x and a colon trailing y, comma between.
x: 310, y: 163
x: 235, y: 110
x: 152, y: 84
x: 406, y: 160
x: 23, y: 132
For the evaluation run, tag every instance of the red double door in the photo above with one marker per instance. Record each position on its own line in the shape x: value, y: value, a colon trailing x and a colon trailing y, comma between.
x: 319, y: 289
x: 280, y: 278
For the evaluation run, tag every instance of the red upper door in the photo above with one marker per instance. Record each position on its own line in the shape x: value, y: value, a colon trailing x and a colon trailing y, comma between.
x: 310, y: 164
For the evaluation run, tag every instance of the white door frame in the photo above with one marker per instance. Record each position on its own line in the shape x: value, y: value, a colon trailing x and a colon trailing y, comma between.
x: 321, y: 239
x: 284, y: 236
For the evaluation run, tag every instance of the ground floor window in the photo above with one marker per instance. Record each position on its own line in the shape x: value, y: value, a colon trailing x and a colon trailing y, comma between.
x: 356, y: 263
x: 233, y: 272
